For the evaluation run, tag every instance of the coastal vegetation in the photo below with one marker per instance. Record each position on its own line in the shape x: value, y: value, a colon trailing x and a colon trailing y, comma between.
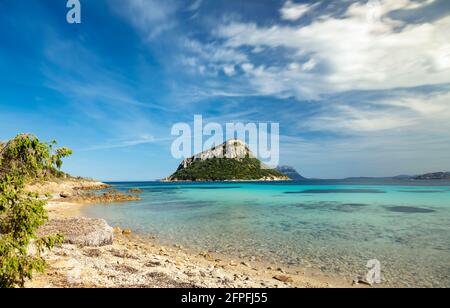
x: 434, y: 176
x: 24, y: 159
x: 231, y: 161
x: 224, y: 169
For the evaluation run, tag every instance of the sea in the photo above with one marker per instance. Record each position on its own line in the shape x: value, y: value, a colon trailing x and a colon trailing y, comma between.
x: 334, y: 226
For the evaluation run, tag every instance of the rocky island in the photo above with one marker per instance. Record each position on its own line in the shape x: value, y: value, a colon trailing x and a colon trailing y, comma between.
x: 291, y: 173
x: 230, y: 161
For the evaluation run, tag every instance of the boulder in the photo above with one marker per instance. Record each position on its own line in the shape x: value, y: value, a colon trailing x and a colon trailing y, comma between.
x: 65, y: 195
x: 80, y: 231
x: 127, y: 232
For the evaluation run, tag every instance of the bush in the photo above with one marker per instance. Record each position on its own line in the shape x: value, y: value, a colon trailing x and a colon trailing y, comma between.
x: 23, y: 159
x: 222, y: 169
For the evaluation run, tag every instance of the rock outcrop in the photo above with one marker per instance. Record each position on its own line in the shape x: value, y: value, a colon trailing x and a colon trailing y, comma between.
x: 232, y: 149
x: 109, y: 196
x: 80, y: 231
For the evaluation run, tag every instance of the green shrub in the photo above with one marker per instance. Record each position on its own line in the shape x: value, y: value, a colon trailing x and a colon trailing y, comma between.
x: 23, y: 159
x: 221, y: 169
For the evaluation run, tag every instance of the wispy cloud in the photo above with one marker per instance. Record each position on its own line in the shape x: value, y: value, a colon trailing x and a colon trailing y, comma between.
x: 359, y: 87
x: 352, y: 51
x: 292, y: 11
x: 126, y: 143
x: 150, y: 17
x: 102, y: 95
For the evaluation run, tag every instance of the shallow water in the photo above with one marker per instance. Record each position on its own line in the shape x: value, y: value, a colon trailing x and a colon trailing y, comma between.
x: 335, y: 226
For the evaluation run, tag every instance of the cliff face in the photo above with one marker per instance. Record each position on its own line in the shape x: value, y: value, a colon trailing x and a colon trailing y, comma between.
x: 230, y: 161
x: 232, y: 149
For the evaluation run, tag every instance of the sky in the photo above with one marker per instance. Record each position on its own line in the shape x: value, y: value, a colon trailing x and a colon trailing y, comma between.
x: 360, y: 88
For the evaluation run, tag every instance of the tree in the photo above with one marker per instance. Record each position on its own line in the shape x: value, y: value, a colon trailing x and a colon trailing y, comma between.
x: 23, y: 159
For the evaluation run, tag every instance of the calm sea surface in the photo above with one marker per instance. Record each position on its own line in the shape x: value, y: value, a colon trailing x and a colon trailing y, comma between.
x: 334, y: 226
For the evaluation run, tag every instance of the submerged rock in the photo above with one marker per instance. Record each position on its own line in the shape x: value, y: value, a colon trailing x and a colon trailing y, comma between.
x: 80, y: 231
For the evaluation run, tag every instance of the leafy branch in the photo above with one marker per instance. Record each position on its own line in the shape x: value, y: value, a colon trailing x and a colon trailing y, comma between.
x: 22, y: 159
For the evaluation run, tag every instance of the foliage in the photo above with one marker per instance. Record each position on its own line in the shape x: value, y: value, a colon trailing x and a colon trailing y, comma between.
x: 23, y: 159
x: 222, y: 169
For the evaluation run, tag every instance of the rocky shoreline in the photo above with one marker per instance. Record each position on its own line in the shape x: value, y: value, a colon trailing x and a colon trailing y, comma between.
x: 96, y: 255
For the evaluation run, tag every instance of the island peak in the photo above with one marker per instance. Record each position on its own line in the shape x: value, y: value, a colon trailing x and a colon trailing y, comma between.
x: 231, y: 161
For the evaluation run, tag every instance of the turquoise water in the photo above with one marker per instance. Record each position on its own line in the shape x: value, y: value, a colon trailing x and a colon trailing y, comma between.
x: 334, y: 226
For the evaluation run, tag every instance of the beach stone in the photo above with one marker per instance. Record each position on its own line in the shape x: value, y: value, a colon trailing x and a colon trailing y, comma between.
x: 80, y: 231
x: 65, y: 195
x: 126, y: 232
x: 282, y: 278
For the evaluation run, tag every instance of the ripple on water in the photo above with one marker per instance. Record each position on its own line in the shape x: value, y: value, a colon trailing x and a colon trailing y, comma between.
x: 337, y: 191
x: 422, y: 191
x: 181, y: 204
x: 213, y: 187
x: 168, y: 190
x: 334, y: 206
x: 409, y: 210
x: 313, y: 228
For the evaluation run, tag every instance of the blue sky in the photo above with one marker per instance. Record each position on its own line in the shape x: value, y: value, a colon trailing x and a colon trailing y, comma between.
x: 360, y: 88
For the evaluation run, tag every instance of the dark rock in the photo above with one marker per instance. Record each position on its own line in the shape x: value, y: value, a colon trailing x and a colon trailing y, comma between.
x: 65, y: 195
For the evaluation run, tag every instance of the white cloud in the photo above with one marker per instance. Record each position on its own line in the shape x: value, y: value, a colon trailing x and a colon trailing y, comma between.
x: 214, y: 53
x: 356, y: 52
x: 127, y: 143
x: 247, y: 67
x: 347, y: 119
x: 195, y: 5
x: 416, y: 113
x: 292, y: 11
x: 310, y: 65
x: 393, y: 134
x: 229, y: 70
x: 209, y: 58
x: 150, y: 17
x: 257, y: 49
x: 386, y: 153
x: 294, y: 66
